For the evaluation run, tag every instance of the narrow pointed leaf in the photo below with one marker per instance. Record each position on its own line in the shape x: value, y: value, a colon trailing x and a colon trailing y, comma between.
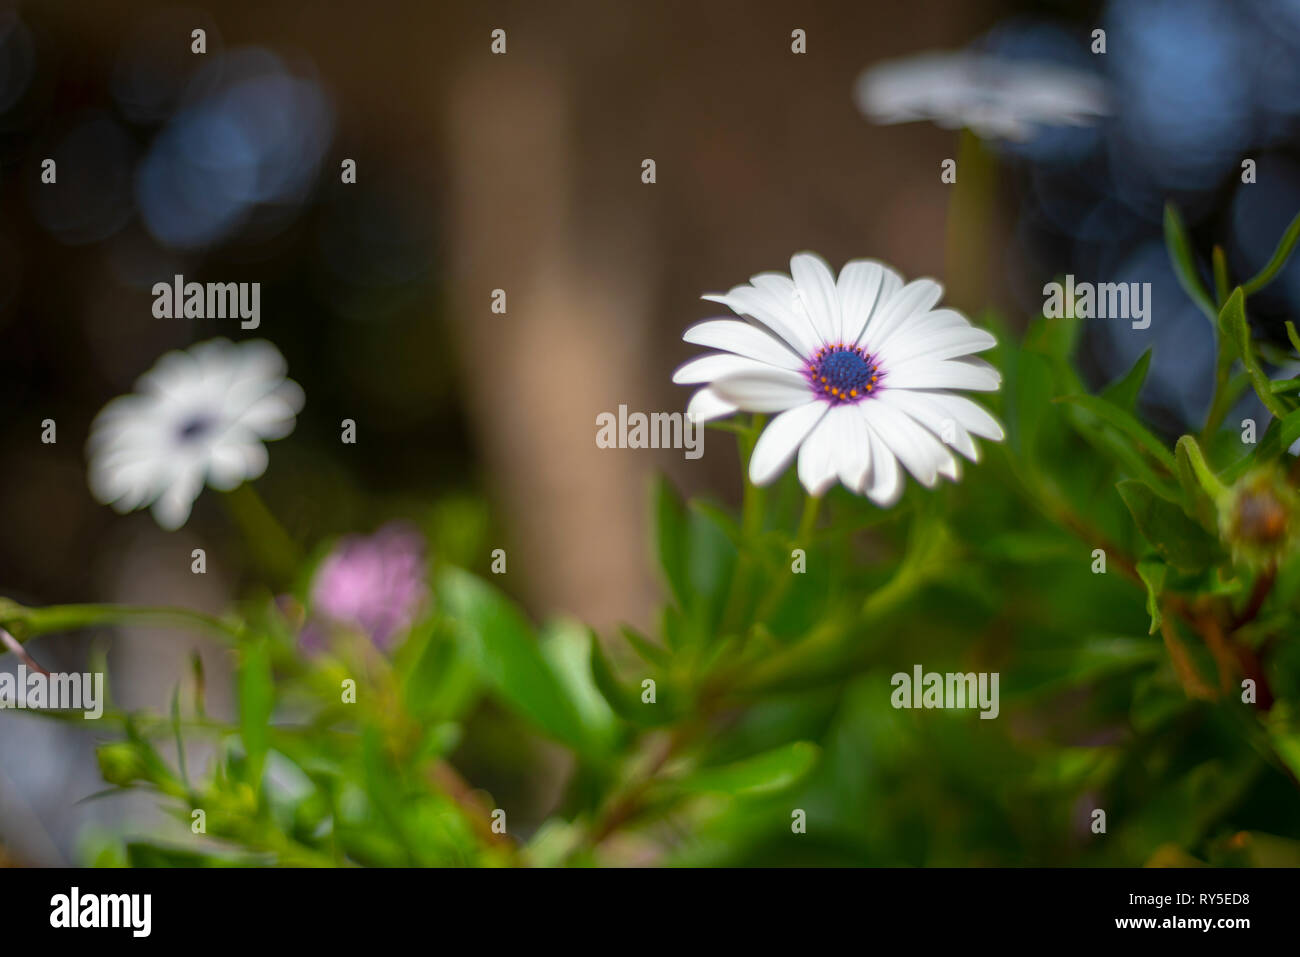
x: 1180, y: 256
x: 1285, y: 246
x: 1232, y: 322
x: 1113, y: 415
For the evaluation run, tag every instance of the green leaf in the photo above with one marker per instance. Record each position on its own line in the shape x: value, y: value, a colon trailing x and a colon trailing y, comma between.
x: 1281, y: 254
x: 256, y: 702
x: 1189, y: 451
x: 1232, y: 321
x: 766, y: 773
x: 625, y: 700
x: 1030, y: 387
x: 1180, y: 256
x: 1053, y: 337
x: 1175, y: 537
x: 1283, y: 386
x: 710, y: 562
x: 1113, y: 415
x: 1220, y: 268
x: 930, y: 554
x: 650, y: 652
x: 143, y: 854
x: 179, y: 737
x: 1124, y: 392
x: 1290, y: 429
x: 671, y: 538
x: 564, y: 645
x: 440, y: 681
x: 1266, y: 450
x: 721, y: 518
x: 499, y: 639
x: 1293, y: 336
x: 1202, y: 490
x: 1117, y: 446
x: 1153, y: 573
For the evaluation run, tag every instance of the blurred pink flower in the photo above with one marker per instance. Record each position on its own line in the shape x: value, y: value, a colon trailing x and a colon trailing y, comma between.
x: 374, y: 583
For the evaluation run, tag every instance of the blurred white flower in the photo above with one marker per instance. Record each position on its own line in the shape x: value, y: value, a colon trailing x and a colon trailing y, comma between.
x: 861, y: 371
x: 198, y: 416
x: 994, y: 97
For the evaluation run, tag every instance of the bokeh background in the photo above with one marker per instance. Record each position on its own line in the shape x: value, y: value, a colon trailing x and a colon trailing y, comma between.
x: 521, y: 172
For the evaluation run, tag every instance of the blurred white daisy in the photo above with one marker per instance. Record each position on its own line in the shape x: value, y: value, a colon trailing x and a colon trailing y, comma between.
x: 198, y: 416
x: 994, y: 97
x: 861, y: 371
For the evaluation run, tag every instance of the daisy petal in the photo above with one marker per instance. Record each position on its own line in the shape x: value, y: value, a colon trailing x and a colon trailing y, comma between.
x: 925, y: 373
x: 780, y: 441
x: 733, y: 335
x: 919, y: 451
x: 172, y: 509
x: 913, y: 300
x: 706, y: 405
x: 859, y: 288
x: 930, y: 413
x: 817, y: 459
x: 816, y: 285
x: 971, y: 416
x: 885, y: 486
x: 767, y: 390
x: 945, y: 344
x: 852, y: 447
x: 714, y: 366
x: 776, y: 311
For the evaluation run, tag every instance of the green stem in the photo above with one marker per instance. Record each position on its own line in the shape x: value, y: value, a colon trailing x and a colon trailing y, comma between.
x: 1223, y: 396
x: 808, y: 521
x: 272, y: 546
x: 751, y: 526
x: 1222, y: 287
x: 751, y: 509
x: 26, y: 623
x: 967, y: 248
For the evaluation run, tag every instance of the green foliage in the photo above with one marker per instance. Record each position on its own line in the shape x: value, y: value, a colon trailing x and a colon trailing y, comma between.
x: 1162, y: 686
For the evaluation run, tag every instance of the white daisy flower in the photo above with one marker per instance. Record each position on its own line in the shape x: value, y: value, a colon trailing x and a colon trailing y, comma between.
x: 861, y: 371
x: 196, y: 417
x: 994, y: 97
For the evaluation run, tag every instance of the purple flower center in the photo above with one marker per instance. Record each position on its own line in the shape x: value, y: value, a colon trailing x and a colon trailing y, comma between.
x: 842, y: 373
x: 195, y: 427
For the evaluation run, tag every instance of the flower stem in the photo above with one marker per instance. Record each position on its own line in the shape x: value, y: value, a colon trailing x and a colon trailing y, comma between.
x: 1222, y: 398
x: 751, y: 526
x: 808, y: 521
x: 751, y: 509
x: 26, y: 623
x: 967, y: 245
x: 272, y: 546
